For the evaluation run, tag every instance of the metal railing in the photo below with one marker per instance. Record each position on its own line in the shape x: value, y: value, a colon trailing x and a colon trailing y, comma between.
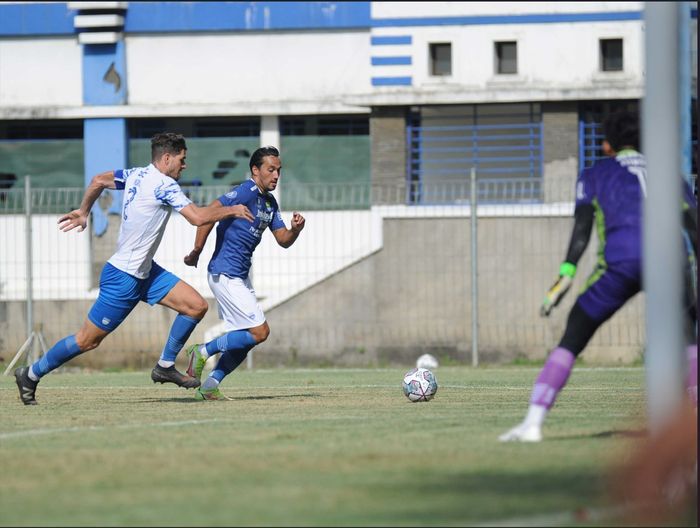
x: 508, y: 155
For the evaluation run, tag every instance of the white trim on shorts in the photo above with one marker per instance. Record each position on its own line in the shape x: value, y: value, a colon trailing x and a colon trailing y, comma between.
x: 238, y: 304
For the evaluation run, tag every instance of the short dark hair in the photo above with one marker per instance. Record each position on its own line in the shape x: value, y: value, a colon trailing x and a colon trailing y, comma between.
x: 256, y: 160
x: 166, y: 142
x: 622, y: 130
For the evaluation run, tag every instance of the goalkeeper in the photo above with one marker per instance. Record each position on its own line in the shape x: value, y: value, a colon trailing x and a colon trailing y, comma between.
x: 611, y: 194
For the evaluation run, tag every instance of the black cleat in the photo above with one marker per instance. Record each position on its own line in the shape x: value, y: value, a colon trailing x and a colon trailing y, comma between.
x: 26, y: 386
x: 163, y: 375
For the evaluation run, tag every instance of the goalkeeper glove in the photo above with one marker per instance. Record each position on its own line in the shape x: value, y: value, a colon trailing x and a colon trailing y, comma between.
x: 556, y: 293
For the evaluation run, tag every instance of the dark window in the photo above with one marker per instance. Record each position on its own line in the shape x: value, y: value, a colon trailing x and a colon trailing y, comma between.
x: 227, y: 127
x: 441, y: 59
x: 506, y: 57
x: 611, y: 54
x: 58, y: 129
x: 324, y: 125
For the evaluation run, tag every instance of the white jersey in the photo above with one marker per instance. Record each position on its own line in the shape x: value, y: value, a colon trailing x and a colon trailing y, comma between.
x: 149, y: 197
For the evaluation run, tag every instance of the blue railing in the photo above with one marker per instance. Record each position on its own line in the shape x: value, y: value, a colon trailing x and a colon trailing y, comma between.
x: 590, y: 136
x: 507, y: 155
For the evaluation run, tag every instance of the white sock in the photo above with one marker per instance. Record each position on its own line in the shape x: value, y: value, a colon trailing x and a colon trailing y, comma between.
x: 31, y: 375
x: 210, y: 383
x: 203, y: 351
x: 165, y: 364
x: 536, y: 415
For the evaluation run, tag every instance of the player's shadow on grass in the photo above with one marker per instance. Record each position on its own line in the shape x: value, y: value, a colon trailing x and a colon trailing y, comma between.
x: 190, y: 399
x: 624, y: 433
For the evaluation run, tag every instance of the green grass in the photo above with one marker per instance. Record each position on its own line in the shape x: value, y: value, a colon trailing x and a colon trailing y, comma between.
x: 296, y: 447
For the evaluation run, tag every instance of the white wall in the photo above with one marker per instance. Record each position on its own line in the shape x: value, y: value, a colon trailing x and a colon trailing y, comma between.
x: 40, y: 72
x: 563, y: 56
x: 250, y: 68
x: 330, y: 242
x: 61, y: 260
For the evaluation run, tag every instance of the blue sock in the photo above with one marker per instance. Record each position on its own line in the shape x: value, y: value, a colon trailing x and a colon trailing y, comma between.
x: 234, y: 347
x: 63, y: 351
x: 236, y: 340
x: 179, y: 333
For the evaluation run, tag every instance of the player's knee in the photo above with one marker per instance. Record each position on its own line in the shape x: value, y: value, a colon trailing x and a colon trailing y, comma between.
x: 88, y: 342
x: 260, y: 333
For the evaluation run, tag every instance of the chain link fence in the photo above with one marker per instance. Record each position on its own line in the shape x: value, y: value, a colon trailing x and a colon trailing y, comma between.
x: 374, y: 278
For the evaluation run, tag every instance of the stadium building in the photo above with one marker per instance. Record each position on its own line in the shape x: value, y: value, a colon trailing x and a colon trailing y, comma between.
x: 372, y: 104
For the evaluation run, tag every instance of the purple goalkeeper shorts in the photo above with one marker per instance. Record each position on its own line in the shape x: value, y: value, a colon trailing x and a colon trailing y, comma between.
x: 609, y: 287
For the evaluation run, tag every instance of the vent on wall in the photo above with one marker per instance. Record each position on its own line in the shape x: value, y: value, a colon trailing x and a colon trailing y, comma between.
x: 99, y: 22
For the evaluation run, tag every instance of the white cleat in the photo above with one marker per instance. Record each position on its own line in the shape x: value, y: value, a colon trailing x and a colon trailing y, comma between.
x: 522, y: 433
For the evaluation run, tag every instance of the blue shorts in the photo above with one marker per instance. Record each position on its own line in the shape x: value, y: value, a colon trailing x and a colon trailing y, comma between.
x: 609, y: 288
x: 120, y: 292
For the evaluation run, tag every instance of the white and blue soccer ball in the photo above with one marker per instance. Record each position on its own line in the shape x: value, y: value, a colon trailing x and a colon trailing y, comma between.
x: 419, y: 384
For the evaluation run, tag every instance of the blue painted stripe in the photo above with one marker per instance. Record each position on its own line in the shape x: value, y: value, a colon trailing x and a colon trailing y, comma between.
x: 543, y: 18
x: 391, y: 61
x: 54, y: 18
x: 36, y: 19
x: 391, y: 81
x: 391, y: 41
x: 97, y: 61
x: 168, y: 17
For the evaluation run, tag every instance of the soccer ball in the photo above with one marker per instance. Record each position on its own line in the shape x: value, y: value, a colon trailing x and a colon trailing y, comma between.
x: 419, y: 384
x: 427, y: 361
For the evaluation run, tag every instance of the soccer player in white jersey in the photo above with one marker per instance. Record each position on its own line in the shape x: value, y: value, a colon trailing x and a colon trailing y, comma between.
x: 229, y: 269
x: 131, y: 275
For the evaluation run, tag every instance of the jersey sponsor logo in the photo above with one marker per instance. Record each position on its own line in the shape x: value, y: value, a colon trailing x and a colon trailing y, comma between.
x: 232, y: 194
x: 580, y: 192
x: 106, y: 320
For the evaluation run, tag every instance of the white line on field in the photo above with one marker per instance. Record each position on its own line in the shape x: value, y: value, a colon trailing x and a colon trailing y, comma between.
x: 77, y: 429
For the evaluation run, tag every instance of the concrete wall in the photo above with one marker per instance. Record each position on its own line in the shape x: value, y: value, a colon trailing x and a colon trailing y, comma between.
x: 387, y: 129
x: 560, y: 146
x: 414, y: 296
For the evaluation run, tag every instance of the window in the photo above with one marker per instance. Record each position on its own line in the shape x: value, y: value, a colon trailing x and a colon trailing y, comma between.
x: 441, y: 59
x: 324, y: 125
x: 610, y: 55
x: 506, y: 57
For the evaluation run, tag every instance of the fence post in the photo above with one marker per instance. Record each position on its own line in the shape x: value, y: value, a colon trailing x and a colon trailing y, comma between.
x: 30, y: 261
x: 474, y: 266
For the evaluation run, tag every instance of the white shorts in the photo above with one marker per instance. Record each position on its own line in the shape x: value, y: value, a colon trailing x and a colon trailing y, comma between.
x: 238, y: 305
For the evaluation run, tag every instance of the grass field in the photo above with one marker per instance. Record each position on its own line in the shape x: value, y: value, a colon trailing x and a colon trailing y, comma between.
x: 321, y: 447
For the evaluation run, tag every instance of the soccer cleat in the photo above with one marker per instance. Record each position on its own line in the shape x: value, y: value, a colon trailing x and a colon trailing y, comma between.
x: 522, y: 433
x: 209, y: 394
x: 26, y: 386
x: 196, y: 362
x: 171, y: 374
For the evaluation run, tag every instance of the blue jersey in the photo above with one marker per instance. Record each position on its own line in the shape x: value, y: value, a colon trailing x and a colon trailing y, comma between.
x: 237, y: 238
x: 615, y: 187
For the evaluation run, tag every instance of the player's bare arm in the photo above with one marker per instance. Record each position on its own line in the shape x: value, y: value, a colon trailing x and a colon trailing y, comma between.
x: 192, y: 259
x: 199, y: 216
x: 286, y: 237
x: 79, y: 217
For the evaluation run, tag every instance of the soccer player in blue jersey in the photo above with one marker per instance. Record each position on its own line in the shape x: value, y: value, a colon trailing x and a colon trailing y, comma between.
x: 131, y: 275
x: 229, y: 269
x: 611, y: 193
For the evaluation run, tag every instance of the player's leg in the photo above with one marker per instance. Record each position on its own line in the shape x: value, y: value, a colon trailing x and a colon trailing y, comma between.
x: 691, y: 337
x: 239, y: 308
x: 88, y: 337
x: 118, y: 296
x: 166, y: 289
x: 595, y: 305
